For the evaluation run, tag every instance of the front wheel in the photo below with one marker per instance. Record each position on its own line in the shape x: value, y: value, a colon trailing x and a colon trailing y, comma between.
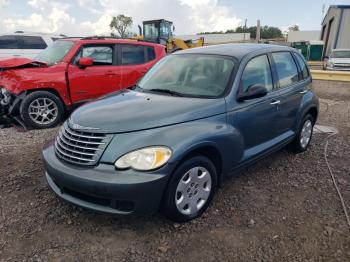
x: 190, y: 189
x: 41, y: 109
x: 304, y: 135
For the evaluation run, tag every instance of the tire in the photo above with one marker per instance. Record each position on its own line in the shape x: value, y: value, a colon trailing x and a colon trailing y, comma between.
x: 193, y: 189
x: 298, y: 145
x: 41, y: 100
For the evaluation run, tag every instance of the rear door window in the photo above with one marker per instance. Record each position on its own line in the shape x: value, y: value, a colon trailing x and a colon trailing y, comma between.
x: 257, y: 72
x: 136, y: 54
x: 287, y: 71
x: 132, y: 55
x: 32, y: 42
x: 303, y: 66
x: 9, y: 42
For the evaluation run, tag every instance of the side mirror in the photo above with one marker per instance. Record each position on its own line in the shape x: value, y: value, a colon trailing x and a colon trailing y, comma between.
x: 85, y: 62
x: 254, y: 91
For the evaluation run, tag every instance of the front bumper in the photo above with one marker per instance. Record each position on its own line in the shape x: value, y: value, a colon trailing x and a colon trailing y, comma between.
x: 102, y: 188
x: 10, y: 103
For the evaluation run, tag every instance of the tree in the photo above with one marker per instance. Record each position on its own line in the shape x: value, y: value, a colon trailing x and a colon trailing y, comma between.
x: 121, y: 23
x: 270, y: 32
x: 293, y: 28
x: 267, y: 32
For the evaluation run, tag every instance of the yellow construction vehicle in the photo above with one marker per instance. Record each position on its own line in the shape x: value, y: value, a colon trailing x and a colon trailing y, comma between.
x: 161, y: 31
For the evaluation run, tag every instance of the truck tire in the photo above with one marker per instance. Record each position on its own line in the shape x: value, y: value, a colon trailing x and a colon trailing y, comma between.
x: 190, y: 190
x: 41, y: 109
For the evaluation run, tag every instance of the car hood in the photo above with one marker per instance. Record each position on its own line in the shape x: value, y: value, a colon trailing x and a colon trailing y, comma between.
x: 340, y: 60
x: 13, y: 63
x: 129, y: 111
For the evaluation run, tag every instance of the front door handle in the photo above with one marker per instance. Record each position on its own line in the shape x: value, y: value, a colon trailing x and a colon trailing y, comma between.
x: 277, y: 102
x: 110, y: 73
x: 304, y: 92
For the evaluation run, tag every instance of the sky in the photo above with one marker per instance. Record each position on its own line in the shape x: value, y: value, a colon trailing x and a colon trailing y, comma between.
x: 92, y: 17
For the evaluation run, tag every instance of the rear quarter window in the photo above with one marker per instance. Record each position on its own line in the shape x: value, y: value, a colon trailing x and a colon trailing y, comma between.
x: 303, y: 67
x: 8, y: 42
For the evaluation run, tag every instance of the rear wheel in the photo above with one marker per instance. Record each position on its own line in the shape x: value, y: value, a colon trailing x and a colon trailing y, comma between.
x: 304, y: 135
x: 41, y: 109
x: 190, y: 190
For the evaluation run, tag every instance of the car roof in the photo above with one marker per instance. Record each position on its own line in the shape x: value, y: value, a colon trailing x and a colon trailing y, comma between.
x: 19, y: 33
x: 235, y: 50
x: 92, y: 40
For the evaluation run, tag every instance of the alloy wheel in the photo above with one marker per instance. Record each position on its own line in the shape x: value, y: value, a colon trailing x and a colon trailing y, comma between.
x: 43, y: 111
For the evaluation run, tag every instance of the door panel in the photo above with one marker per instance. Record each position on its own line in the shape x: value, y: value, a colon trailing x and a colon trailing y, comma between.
x: 255, y: 119
x: 94, y: 81
x: 290, y: 90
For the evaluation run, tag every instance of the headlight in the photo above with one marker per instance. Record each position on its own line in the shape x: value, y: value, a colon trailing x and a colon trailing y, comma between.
x: 145, y: 159
x: 330, y: 64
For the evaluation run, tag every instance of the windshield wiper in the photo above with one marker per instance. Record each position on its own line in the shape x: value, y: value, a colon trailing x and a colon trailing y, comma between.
x: 166, y: 91
x: 133, y: 87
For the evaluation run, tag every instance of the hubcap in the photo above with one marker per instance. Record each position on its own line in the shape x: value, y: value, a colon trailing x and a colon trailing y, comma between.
x: 193, y: 190
x: 43, y: 111
x: 306, y: 133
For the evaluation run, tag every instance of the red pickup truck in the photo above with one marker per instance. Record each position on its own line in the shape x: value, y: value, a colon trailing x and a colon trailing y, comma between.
x: 71, y: 71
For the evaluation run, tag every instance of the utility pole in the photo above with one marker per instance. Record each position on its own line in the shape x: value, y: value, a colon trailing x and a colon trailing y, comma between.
x: 245, y: 28
x: 323, y: 10
x: 258, y: 31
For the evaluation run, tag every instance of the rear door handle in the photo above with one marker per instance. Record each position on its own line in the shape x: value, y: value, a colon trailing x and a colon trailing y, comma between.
x: 277, y: 102
x: 304, y: 92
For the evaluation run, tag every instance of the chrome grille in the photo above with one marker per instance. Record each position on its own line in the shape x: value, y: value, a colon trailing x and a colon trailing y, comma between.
x: 80, y: 147
x: 341, y: 65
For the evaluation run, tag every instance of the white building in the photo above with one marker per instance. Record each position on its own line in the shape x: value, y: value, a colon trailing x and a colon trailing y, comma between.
x: 303, y: 36
x: 336, y: 28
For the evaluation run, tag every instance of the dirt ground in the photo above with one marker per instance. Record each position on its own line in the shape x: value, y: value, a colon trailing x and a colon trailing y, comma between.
x: 284, y: 208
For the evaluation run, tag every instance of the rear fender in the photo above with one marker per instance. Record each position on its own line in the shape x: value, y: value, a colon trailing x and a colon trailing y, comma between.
x: 308, y: 102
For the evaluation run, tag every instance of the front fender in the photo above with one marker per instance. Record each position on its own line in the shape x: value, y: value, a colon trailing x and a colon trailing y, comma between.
x: 183, y: 139
x: 18, y: 81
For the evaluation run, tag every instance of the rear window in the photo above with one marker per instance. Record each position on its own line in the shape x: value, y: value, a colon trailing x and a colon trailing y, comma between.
x: 8, y: 42
x: 32, y: 42
x: 136, y: 54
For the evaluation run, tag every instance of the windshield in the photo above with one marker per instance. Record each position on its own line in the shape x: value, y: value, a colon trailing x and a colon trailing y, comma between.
x: 189, y: 75
x: 340, y: 54
x: 55, y: 52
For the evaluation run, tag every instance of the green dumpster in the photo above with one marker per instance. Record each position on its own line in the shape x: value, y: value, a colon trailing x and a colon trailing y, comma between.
x: 315, y: 49
x: 302, y: 47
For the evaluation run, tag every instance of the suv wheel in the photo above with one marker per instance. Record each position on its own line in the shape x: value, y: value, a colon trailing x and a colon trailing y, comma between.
x: 41, y: 109
x: 304, y: 135
x: 190, y: 189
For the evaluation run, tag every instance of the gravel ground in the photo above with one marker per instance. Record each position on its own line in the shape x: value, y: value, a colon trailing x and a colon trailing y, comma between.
x: 284, y: 208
